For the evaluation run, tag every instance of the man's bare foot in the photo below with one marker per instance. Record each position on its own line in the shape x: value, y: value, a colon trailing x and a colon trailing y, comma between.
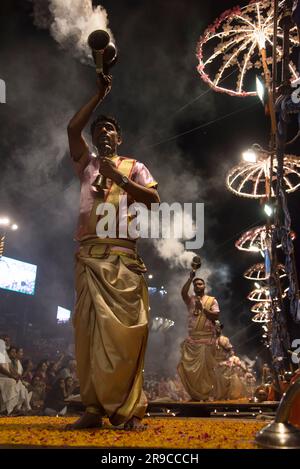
x: 87, y: 420
x: 135, y: 424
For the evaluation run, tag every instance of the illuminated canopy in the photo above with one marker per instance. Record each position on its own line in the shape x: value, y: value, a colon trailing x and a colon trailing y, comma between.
x: 231, y: 48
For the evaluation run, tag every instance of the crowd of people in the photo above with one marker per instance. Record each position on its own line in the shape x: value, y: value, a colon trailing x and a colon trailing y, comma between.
x: 236, y: 380
x: 42, y: 388
x: 164, y: 388
x: 34, y: 388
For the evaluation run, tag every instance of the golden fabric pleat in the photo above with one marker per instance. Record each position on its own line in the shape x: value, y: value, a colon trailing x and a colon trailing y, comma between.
x: 111, y: 329
x: 197, y: 366
x: 125, y: 166
x: 222, y: 385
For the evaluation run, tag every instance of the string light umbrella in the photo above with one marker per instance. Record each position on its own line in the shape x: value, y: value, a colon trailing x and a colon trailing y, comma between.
x: 242, y: 41
x: 258, y: 179
x: 262, y: 295
x: 261, y: 307
x: 239, y: 42
x: 258, y: 239
x: 258, y: 273
x: 261, y: 318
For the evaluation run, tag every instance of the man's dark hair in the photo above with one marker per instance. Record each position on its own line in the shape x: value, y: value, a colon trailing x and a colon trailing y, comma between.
x: 4, y: 336
x: 104, y: 118
x: 198, y: 278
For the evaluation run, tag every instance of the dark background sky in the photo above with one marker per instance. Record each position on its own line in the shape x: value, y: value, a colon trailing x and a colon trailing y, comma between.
x: 155, y: 86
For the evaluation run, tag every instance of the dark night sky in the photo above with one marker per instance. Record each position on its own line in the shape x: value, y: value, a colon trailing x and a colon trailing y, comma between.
x: 155, y: 77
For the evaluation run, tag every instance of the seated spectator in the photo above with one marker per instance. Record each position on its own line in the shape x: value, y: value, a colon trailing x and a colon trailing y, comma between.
x: 70, y: 386
x: 27, y: 372
x: 17, y: 355
x: 41, y: 371
x: 55, y: 400
x: 6, y: 340
x: 52, y: 371
x: 38, y: 389
x: 14, y: 396
x: 20, y: 354
x: 12, y: 353
x: 51, y: 374
x: 69, y: 371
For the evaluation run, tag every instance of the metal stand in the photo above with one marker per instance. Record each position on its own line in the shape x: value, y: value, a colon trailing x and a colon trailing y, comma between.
x: 280, y: 434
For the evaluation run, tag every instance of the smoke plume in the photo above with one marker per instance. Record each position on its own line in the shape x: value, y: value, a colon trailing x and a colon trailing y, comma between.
x: 70, y: 23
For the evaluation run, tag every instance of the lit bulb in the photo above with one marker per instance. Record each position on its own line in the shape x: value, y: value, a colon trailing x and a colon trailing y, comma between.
x: 254, y: 249
x: 260, y: 89
x: 4, y: 221
x: 261, y: 39
x: 268, y: 210
x: 249, y: 156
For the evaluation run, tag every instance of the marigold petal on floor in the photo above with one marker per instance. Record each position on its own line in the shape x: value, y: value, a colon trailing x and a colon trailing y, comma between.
x: 160, y: 433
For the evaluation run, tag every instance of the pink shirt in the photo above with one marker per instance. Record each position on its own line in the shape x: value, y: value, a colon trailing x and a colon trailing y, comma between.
x: 192, y: 318
x: 87, y: 172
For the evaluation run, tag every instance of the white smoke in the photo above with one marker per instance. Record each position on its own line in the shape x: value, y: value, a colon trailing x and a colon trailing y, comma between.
x: 173, y: 251
x: 169, y: 231
x: 70, y: 23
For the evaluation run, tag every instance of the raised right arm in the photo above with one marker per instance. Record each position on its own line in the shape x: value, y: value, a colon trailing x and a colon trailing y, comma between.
x: 185, y: 289
x: 77, y: 143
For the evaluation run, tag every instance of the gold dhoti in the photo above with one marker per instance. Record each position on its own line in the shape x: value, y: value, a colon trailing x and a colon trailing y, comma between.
x: 197, y: 366
x: 197, y: 369
x: 222, y: 381
x: 111, y: 329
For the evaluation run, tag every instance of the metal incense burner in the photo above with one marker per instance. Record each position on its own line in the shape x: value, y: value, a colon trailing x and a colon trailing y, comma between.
x: 280, y: 434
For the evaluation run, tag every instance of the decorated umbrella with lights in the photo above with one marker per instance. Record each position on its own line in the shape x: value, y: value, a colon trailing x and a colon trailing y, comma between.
x: 257, y: 272
x: 262, y: 295
x: 261, y: 307
x: 258, y: 239
x: 238, y: 42
x: 242, y: 47
x: 263, y: 312
x: 261, y: 317
x: 254, y: 179
x: 266, y: 307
